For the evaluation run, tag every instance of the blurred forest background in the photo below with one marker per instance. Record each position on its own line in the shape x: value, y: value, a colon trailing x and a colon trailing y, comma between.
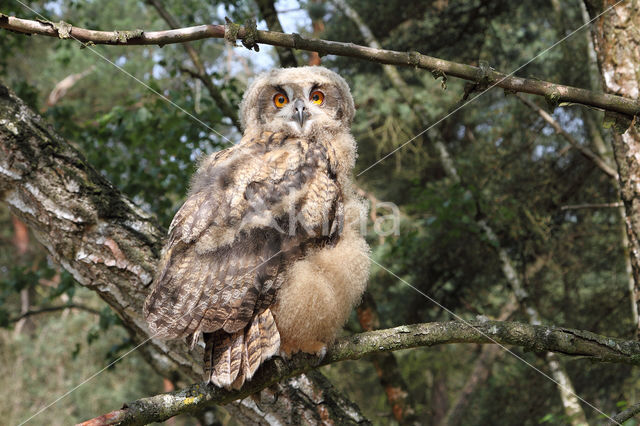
x: 553, y: 212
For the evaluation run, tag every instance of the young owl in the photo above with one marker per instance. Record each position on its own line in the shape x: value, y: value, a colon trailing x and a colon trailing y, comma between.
x: 265, y: 256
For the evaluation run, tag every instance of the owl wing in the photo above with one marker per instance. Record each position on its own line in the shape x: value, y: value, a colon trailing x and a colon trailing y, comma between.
x: 229, y: 242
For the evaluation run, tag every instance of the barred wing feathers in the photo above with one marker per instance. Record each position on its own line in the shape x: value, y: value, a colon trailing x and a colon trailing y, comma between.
x: 229, y: 243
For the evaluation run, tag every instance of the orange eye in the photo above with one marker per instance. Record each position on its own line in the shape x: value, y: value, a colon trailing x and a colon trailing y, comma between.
x: 317, y: 97
x: 280, y: 100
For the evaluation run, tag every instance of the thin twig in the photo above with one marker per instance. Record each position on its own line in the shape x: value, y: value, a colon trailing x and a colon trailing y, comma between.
x: 49, y: 309
x: 574, y: 143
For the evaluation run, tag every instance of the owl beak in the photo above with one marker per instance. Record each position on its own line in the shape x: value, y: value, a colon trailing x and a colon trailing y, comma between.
x: 299, y: 111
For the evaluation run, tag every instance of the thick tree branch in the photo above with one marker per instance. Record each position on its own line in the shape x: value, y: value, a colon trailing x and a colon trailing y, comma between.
x: 111, y: 247
x: 554, y: 92
x: 530, y: 337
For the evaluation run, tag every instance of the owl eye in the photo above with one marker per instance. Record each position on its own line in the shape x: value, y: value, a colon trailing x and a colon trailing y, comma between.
x: 317, y: 97
x: 280, y: 100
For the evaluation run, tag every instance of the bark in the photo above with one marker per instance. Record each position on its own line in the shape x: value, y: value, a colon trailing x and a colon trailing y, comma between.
x: 270, y: 15
x: 617, y: 45
x: 554, y: 92
x: 531, y: 337
x: 92, y: 230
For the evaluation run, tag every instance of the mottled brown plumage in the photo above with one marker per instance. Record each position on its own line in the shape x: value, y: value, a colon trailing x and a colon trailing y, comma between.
x: 279, y: 201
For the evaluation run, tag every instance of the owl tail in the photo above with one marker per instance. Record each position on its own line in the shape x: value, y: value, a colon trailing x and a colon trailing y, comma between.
x: 231, y: 359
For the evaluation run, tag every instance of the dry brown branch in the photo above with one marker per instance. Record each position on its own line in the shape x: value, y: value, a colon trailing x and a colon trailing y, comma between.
x: 63, y: 86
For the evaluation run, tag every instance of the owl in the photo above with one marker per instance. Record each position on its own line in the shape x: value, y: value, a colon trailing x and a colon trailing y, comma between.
x: 266, y: 255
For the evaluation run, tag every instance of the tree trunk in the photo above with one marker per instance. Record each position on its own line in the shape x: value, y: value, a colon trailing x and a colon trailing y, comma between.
x: 111, y: 246
x: 617, y: 44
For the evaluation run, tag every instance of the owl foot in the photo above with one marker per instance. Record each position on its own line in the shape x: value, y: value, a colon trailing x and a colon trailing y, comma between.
x: 316, y: 348
x: 321, y: 353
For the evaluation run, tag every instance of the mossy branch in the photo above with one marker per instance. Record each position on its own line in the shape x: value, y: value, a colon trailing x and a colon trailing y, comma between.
x: 559, y: 93
x: 565, y: 341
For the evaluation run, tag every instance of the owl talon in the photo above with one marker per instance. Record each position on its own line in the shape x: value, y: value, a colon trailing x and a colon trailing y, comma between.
x: 321, y: 353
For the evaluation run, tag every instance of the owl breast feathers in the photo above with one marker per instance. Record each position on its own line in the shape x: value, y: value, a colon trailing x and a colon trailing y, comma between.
x: 265, y: 255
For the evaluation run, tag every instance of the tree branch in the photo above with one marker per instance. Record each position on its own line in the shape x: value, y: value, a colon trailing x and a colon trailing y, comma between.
x: 111, y: 246
x: 530, y: 337
x: 54, y: 309
x: 592, y: 206
x: 555, y: 92
x: 586, y: 152
x: 625, y: 415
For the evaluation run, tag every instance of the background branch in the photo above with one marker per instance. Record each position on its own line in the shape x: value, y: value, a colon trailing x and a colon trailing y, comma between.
x: 270, y: 15
x: 49, y: 309
x: 556, y: 92
x: 201, y: 74
x: 590, y: 155
x: 625, y: 415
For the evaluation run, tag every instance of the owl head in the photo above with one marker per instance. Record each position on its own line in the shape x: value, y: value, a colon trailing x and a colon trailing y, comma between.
x: 297, y: 101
